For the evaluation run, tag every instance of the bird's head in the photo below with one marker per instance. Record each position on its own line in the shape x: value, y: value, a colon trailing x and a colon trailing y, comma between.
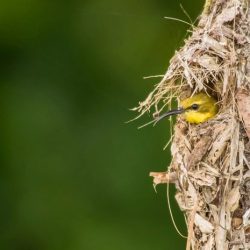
x: 195, y: 109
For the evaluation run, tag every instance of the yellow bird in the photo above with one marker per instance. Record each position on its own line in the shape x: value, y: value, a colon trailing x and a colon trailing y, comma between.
x: 196, y: 109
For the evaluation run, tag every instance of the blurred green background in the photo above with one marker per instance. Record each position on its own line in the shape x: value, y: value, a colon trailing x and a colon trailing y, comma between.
x: 73, y: 175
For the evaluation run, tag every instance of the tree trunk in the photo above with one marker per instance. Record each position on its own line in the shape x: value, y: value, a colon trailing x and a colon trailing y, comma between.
x: 211, y: 162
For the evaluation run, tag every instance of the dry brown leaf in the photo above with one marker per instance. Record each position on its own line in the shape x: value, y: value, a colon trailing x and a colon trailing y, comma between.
x: 219, y: 145
x: 209, y: 244
x: 234, y: 144
x: 199, y: 151
x: 246, y: 218
x: 243, y: 101
x: 204, y: 225
x: 233, y: 198
x: 199, y: 177
x: 228, y: 14
x: 211, y: 44
x: 163, y: 177
x: 208, y: 62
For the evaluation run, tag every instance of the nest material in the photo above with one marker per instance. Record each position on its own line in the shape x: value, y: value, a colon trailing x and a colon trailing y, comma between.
x: 211, y: 161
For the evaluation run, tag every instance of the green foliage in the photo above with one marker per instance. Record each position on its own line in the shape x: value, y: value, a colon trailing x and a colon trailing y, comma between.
x: 74, y: 176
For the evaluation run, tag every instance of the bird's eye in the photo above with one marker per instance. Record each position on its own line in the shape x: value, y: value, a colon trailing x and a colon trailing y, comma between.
x: 194, y: 106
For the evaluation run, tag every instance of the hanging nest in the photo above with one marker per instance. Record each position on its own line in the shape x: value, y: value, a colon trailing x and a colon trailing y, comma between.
x: 211, y: 161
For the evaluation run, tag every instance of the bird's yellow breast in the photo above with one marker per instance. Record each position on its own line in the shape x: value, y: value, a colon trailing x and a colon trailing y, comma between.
x: 198, y: 117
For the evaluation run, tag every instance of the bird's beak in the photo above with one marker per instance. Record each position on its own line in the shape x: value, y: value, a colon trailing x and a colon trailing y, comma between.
x: 169, y: 113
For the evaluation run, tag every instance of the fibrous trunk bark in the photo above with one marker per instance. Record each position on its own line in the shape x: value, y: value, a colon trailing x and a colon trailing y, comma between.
x: 211, y: 162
